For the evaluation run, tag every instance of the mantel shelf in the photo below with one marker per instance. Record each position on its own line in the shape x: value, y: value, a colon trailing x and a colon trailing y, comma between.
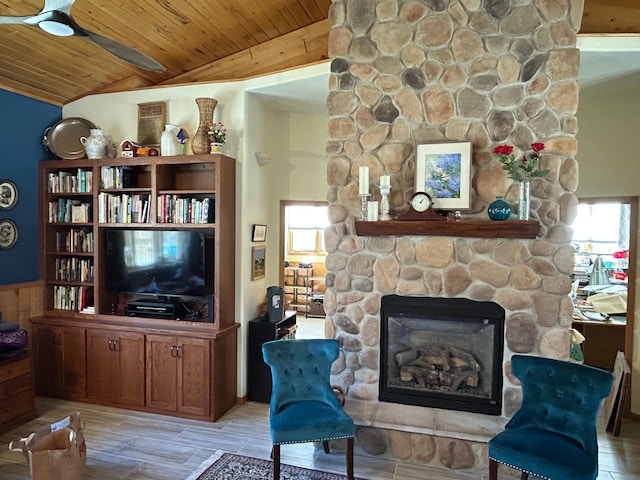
x: 470, y: 228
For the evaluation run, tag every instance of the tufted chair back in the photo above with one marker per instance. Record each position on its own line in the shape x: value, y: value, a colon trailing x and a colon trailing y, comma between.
x: 300, y: 370
x: 560, y: 397
x: 553, y: 434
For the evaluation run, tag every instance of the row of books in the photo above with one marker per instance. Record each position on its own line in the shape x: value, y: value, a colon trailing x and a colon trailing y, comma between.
x: 72, y: 298
x: 67, y: 182
x: 74, y: 269
x: 75, y: 241
x: 66, y: 210
x: 175, y: 209
x: 117, y: 177
x: 123, y: 208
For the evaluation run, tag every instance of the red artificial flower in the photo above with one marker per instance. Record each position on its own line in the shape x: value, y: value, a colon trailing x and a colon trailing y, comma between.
x: 503, y: 149
x: 537, y: 146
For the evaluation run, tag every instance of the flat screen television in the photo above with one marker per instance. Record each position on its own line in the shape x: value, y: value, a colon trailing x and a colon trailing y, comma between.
x: 157, y: 262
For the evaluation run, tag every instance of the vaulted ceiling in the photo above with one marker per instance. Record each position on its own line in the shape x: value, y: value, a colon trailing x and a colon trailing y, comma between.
x: 195, y: 40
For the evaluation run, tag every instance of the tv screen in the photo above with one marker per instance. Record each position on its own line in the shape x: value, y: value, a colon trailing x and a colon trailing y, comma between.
x: 156, y: 262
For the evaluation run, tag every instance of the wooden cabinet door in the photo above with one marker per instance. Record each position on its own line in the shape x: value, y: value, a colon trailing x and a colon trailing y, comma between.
x: 60, y: 361
x: 162, y: 372
x: 194, y: 376
x: 115, y: 367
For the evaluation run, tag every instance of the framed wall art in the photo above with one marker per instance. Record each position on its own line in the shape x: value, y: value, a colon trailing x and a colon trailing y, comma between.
x: 8, y: 234
x: 258, y: 262
x: 152, y: 117
x: 8, y: 194
x: 443, y: 170
x: 259, y: 233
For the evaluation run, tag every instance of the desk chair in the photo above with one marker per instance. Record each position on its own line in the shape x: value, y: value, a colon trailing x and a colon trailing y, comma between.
x: 553, y: 434
x: 304, y: 407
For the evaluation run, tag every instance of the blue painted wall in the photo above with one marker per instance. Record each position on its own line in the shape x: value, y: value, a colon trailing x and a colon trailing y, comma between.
x: 22, y: 124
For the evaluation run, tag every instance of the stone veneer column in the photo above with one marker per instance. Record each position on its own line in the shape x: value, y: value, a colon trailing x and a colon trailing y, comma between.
x: 409, y: 72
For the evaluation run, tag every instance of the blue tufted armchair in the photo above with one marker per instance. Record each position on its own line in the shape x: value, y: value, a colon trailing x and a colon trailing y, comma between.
x: 553, y: 434
x: 303, y: 406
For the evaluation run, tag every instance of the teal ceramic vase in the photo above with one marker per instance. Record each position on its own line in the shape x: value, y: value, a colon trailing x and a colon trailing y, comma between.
x: 499, y: 209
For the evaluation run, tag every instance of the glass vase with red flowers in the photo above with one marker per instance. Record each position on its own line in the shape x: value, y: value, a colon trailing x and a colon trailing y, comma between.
x: 522, y: 169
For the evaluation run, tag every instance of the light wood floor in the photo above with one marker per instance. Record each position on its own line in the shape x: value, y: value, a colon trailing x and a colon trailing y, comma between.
x: 123, y: 444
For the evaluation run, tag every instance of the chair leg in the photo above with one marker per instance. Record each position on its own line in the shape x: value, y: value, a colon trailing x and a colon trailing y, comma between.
x: 350, y: 458
x: 493, y: 470
x: 276, y: 462
x: 524, y: 476
x: 325, y: 445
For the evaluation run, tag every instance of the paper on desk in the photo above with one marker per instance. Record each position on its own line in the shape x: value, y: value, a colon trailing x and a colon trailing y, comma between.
x: 609, y: 303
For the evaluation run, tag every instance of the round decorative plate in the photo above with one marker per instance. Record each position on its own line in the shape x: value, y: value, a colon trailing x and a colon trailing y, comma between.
x: 63, y: 138
x: 8, y: 234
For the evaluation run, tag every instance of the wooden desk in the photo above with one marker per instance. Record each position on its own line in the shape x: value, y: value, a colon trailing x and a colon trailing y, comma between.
x: 602, y: 340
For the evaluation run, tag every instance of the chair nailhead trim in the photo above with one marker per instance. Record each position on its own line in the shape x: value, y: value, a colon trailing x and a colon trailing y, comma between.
x: 518, y: 468
x: 315, y: 440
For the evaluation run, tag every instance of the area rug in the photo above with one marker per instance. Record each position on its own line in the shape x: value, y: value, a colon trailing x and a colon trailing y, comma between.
x: 229, y: 466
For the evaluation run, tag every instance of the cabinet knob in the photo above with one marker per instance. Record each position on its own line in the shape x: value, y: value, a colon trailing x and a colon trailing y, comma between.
x: 179, y: 351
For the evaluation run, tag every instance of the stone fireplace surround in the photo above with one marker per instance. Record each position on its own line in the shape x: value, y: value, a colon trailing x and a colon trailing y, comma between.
x: 429, y: 71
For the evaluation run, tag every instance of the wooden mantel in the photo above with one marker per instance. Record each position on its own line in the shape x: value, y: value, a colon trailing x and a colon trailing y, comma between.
x: 469, y: 228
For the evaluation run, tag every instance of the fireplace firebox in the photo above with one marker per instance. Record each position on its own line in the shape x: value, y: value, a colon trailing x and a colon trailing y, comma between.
x: 442, y: 353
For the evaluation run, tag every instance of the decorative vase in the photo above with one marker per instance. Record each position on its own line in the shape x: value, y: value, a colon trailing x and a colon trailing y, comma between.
x: 95, y: 144
x: 216, y: 147
x: 169, y: 143
x: 499, y: 209
x: 200, y: 140
x: 523, y: 199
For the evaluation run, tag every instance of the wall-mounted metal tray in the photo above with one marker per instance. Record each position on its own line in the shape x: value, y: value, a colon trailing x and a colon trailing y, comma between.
x: 63, y: 138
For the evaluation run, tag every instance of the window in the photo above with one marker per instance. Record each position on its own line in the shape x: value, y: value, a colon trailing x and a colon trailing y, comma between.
x: 602, y: 228
x: 305, y: 229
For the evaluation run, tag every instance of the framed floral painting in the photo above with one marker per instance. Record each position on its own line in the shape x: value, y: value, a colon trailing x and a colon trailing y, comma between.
x: 443, y: 170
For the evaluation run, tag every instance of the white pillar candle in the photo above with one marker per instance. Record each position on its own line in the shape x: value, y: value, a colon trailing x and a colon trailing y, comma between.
x: 385, y: 180
x: 363, y: 177
x: 372, y: 211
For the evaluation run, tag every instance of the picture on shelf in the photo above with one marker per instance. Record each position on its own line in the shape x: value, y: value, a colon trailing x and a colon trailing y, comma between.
x: 443, y: 170
x: 259, y: 233
x: 258, y: 262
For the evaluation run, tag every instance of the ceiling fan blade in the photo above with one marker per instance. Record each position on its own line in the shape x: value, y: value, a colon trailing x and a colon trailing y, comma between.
x: 17, y: 20
x: 125, y: 53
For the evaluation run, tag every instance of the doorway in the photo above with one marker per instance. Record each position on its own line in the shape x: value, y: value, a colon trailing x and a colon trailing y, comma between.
x: 606, y: 230
x: 302, y: 259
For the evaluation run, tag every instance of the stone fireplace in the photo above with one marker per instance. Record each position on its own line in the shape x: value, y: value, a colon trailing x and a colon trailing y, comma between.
x: 405, y: 73
x: 441, y: 352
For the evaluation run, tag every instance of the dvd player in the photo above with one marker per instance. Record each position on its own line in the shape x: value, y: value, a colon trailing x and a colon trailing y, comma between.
x: 140, y: 308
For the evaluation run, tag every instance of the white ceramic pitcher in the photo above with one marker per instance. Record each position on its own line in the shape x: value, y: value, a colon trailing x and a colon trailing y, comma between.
x: 95, y: 143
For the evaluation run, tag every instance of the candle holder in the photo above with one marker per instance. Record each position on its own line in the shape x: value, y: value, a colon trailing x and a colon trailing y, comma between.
x: 384, y: 202
x: 364, y: 198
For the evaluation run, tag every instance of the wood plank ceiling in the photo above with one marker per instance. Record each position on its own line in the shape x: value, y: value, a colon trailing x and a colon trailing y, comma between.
x: 195, y: 40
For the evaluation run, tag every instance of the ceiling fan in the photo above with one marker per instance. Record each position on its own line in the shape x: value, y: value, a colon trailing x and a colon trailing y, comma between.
x: 55, y: 18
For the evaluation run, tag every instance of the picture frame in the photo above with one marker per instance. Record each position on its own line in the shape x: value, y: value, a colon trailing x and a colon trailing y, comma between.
x: 259, y: 233
x: 8, y: 194
x: 258, y: 262
x: 8, y: 234
x: 443, y: 170
x: 152, y: 117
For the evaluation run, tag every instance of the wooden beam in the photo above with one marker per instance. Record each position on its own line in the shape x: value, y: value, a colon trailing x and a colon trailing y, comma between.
x: 301, y: 47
